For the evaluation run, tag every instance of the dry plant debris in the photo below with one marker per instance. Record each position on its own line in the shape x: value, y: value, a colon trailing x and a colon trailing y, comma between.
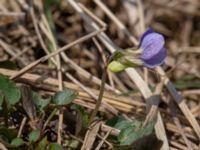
x: 53, y: 54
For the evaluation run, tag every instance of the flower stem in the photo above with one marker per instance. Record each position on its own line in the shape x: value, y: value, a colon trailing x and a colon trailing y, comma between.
x: 100, y: 97
x: 101, y: 92
x: 50, y: 117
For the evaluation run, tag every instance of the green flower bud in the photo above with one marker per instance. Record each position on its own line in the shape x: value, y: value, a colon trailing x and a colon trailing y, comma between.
x: 116, y: 66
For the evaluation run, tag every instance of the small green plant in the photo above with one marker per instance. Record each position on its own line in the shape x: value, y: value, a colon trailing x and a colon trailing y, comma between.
x: 11, y: 98
x: 133, y: 134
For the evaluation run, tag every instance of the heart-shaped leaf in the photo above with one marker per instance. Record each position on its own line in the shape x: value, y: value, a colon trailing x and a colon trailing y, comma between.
x: 16, y: 142
x: 34, y: 135
x: 39, y: 102
x: 9, y: 90
x: 64, y: 97
x: 42, y: 145
x: 134, y: 132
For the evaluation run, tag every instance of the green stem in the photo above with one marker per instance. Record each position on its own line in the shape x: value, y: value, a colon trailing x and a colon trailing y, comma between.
x: 100, y: 97
x: 50, y: 117
x: 102, y: 87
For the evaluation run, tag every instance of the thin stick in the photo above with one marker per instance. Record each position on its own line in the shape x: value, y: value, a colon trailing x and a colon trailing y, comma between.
x: 11, y: 51
x: 13, y: 14
x: 42, y: 59
x: 152, y: 106
x: 60, y: 124
x: 142, y: 29
x: 102, y: 140
x: 32, y: 13
x: 19, y: 54
x: 91, y: 14
x: 2, y: 147
x: 21, y: 126
x: 141, y: 15
x: 116, y: 21
x: 181, y: 102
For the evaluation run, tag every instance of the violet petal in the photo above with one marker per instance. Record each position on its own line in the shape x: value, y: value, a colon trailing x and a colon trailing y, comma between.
x: 148, y: 31
x: 151, y: 45
x: 156, y: 60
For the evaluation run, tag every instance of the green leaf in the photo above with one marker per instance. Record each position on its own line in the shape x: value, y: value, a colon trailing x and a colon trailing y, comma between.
x: 55, y: 146
x: 64, y: 97
x: 42, y: 145
x: 8, y: 64
x: 34, y: 135
x: 9, y: 90
x: 39, y: 102
x: 72, y: 143
x: 126, y: 136
x: 7, y: 134
x: 120, y: 123
x: 16, y: 142
x: 113, y: 121
x: 134, y: 132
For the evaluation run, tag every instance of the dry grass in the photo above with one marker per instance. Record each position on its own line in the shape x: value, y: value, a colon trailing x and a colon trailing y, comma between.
x: 90, y: 31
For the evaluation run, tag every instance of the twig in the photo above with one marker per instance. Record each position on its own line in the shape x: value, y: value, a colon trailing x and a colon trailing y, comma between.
x: 42, y: 59
x: 10, y: 51
x: 91, y: 136
x: 176, y: 120
x: 181, y: 102
x: 116, y: 21
x: 14, y: 14
x: 103, y: 24
x: 21, y: 126
x: 2, y: 147
x: 141, y: 15
x: 153, y: 104
x: 19, y: 54
x: 32, y: 13
x: 104, y: 61
x: 102, y: 141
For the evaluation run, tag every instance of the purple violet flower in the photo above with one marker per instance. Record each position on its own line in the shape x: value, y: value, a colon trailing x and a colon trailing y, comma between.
x: 150, y: 53
x: 153, y: 50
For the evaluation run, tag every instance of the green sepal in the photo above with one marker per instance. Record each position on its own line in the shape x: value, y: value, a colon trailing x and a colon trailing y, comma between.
x: 124, y: 59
